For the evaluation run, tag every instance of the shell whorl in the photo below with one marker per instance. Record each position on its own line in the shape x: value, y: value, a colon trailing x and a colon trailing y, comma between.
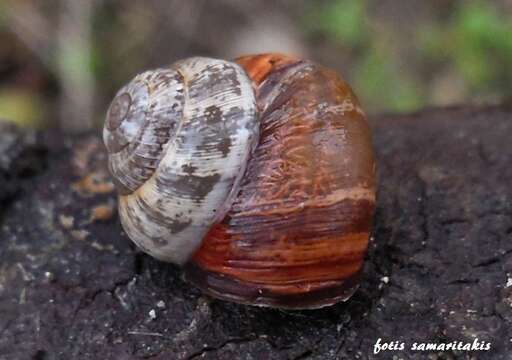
x: 178, y: 142
x: 140, y: 123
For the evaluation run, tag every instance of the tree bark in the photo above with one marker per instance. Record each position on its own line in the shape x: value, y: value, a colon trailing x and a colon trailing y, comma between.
x: 439, y: 268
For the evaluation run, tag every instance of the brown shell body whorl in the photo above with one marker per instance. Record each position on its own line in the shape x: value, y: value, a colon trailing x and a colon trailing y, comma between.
x: 299, y: 227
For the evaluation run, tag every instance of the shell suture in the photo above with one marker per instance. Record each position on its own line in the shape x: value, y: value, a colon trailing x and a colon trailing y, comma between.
x: 179, y: 172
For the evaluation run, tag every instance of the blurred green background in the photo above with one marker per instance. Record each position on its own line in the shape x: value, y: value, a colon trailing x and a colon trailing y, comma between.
x: 61, y: 62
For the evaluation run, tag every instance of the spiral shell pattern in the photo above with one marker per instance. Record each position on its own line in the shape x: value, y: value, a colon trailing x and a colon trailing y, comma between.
x: 178, y: 140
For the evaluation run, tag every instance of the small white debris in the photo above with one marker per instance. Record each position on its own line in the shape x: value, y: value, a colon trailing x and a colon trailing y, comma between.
x: 79, y: 234
x: 384, y: 279
x: 152, y: 314
x: 160, y: 304
x: 67, y: 222
x: 509, y: 282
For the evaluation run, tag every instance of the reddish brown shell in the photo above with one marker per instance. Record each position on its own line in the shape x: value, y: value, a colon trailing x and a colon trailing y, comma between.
x: 298, y: 231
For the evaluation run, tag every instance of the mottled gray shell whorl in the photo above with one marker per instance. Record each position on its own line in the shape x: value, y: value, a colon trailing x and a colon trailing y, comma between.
x: 178, y: 141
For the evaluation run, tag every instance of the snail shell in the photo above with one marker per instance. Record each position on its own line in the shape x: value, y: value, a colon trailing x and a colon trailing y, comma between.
x: 257, y: 175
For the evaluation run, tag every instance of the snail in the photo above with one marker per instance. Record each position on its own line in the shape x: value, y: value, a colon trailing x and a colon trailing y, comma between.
x: 257, y: 176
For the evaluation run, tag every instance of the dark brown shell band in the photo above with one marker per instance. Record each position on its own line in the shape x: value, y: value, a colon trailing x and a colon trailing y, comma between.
x: 232, y: 289
x: 297, y: 234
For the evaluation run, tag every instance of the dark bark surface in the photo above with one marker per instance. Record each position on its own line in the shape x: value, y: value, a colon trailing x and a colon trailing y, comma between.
x: 72, y: 286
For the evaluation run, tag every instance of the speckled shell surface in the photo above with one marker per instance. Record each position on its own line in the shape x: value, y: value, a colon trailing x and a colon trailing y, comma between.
x: 179, y: 139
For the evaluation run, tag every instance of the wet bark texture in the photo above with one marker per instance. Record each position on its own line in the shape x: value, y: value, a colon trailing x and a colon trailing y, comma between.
x: 439, y: 269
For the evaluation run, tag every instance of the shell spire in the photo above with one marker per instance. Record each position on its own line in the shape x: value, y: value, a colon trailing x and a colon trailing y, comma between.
x: 178, y: 142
